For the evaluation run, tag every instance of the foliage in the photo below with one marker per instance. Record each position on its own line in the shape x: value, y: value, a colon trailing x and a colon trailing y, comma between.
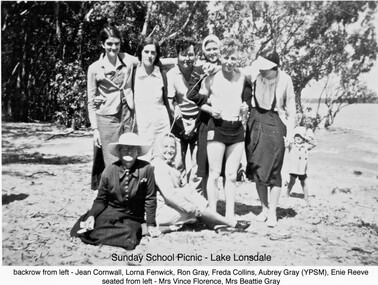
x: 36, y: 36
x: 314, y: 39
x: 170, y: 20
x: 48, y: 46
x: 163, y: 20
x: 69, y: 86
x: 45, y: 43
x: 339, y: 93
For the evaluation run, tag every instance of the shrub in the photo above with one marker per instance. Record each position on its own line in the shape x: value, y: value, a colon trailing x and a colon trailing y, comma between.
x: 69, y: 89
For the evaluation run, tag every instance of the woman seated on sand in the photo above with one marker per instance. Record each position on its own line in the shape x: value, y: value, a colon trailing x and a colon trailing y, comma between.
x: 178, y: 204
x: 125, y: 195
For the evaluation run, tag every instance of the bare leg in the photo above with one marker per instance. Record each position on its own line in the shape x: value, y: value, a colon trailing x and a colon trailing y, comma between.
x: 233, y: 156
x: 305, y: 189
x: 262, y: 191
x: 215, y: 152
x: 290, y: 185
x: 195, y: 181
x: 212, y: 218
x: 275, y: 193
x: 204, y: 186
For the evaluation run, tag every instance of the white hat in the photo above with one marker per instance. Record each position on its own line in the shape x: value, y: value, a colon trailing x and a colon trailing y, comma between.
x: 300, y: 131
x: 130, y: 139
x: 261, y: 63
x: 208, y: 39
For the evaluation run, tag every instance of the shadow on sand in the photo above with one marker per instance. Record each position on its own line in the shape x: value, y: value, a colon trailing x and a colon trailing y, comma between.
x: 6, y: 199
x: 39, y: 158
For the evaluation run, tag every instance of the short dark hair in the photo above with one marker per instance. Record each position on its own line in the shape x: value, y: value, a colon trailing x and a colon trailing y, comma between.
x: 148, y: 41
x: 183, y: 43
x: 229, y: 46
x: 110, y: 31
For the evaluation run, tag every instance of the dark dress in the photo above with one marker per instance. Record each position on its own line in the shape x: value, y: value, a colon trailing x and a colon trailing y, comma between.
x: 124, y: 197
x: 264, y: 144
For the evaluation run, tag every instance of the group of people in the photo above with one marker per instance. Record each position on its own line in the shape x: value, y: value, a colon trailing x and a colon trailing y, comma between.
x: 148, y: 123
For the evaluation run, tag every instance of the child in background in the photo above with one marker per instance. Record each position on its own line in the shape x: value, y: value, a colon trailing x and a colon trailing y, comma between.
x: 298, y: 157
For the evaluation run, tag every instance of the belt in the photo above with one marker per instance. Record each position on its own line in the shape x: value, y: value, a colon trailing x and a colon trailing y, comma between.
x: 232, y: 120
x: 228, y: 121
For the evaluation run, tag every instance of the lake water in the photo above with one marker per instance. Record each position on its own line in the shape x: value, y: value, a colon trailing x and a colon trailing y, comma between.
x: 361, y: 118
x: 353, y: 138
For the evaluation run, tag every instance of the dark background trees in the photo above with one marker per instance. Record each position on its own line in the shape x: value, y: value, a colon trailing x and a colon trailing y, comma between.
x: 47, y: 46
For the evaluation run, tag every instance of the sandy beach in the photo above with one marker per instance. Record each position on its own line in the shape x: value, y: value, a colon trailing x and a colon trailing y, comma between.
x: 46, y: 187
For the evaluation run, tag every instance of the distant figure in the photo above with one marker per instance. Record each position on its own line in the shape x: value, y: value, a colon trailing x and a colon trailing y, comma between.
x: 178, y: 203
x: 126, y: 198
x: 298, y: 159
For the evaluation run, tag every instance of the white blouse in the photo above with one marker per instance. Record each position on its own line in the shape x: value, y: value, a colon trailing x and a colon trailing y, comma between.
x: 282, y: 86
x: 151, y: 113
x: 265, y: 90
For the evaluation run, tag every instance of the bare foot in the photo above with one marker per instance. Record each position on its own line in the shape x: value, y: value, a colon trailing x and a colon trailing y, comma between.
x: 272, y: 220
x: 262, y: 217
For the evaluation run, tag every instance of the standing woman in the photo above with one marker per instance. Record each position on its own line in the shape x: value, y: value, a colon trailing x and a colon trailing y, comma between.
x: 210, y: 50
x: 150, y: 92
x: 110, y: 98
x: 225, y: 131
x: 272, y: 116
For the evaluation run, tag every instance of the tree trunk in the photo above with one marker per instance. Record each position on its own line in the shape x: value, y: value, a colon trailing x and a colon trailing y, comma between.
x: 24, y: 75
x: 58, y: 28
x: 329, y: 118
x: 147, y: 19
x: 298, y: 101
x: 58, y: 25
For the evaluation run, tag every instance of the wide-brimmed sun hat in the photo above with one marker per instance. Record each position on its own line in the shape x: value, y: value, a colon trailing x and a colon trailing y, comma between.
x: 129, y: 139
x: 300, y: 131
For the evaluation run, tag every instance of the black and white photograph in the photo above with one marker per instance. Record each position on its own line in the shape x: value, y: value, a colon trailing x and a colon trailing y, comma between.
x: 190, y: 134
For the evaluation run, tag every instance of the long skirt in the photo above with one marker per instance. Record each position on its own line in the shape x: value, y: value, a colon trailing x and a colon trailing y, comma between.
x: 112, y: 227
x: 265, y: 147
x: 111, y: 127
